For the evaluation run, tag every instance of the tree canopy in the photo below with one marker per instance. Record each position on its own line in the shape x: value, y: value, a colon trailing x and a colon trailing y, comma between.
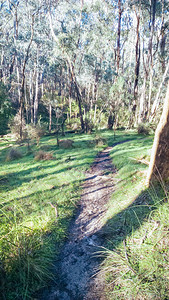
x: 101, y: 60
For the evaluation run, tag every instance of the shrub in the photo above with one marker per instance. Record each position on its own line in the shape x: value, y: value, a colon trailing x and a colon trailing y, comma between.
x: 15, y: 126
x: 13, y: 154
x: 42, y: 155
x: 66, y: 144
x: 35, y: 132
x: 74, y: 125
x: 89, y: 126
x: 144, y: 128
x: 99, y: 141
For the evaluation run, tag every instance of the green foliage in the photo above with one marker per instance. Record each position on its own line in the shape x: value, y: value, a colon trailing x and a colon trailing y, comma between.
x: 5, y: 109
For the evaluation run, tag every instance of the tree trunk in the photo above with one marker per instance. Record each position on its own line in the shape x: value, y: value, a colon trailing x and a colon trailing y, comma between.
x: 50, y: 117
x: 79, y: 98
x: 163, y: 39
x: 26, y: 104
x: 95, y: 111
x: 118, y: 36
x: 31, y: 95
x: 111, y: 120
x: 159, y: 162
x: 23, y: 79
x: 137, y: 66
x: 157, y: 98
x: 36, y: 100
x: 142, y: 102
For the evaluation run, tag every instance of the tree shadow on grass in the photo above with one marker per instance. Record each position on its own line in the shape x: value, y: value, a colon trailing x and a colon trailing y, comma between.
x: 115, y: 231
x: 128, y: 220
x: 13, y: 180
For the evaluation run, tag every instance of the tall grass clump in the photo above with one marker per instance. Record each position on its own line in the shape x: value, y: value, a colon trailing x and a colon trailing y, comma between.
x: 144, y: 128
x: 138, y: 268
x: 13, y: 154
x: 27, y: 258
x: 42, y: 155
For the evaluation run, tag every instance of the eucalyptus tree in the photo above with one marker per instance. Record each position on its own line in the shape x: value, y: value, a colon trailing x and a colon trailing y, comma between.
x: 21, y: 42
x: 76, y: 50
x: 159, y: 162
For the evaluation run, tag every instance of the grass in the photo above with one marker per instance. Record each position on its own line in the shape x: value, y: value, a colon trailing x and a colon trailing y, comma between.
x: 39, y: 198
x: 31, y: 235
x: 136, y: 229
x: 31, y: 193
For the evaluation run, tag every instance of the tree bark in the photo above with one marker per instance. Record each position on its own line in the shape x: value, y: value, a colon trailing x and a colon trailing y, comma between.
x: 36, y: 101
x: 137, y: 64
x: 50, y: 117
x: 118, y: 36
x: 23, y: 78
x: 157, y: 99
x: 31, y: 95
x: 159, y: 162
x: 163, y: 39
x: 142, y: 102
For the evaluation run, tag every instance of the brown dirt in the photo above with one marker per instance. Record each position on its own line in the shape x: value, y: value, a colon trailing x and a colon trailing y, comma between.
x: 78, y: 263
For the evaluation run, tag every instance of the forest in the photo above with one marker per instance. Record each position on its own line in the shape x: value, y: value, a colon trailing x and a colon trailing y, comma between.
x: 84, y: 149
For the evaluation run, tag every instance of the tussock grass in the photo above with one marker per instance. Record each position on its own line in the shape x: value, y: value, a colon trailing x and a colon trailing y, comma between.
x: 42, y: 155
x: 13, y: 154
x: 66, y: 144
x: 136, y: 229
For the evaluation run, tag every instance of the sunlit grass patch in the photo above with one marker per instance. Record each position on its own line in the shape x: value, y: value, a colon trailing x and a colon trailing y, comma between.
x: 136, y: 229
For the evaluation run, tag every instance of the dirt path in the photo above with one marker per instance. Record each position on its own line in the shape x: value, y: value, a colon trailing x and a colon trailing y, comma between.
x: 78, y: 262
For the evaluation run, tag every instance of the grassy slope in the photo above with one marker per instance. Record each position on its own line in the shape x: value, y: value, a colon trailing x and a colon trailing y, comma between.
x: 136, y: 229
x: 31, y: 235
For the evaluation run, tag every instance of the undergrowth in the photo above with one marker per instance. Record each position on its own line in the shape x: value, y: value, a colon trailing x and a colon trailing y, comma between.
x: 136, y: 229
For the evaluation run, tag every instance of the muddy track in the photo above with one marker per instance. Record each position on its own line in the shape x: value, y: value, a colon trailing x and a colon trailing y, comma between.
x: 78, y: 262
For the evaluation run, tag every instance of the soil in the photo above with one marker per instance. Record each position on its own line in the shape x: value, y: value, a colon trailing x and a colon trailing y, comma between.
x: 79, y: 262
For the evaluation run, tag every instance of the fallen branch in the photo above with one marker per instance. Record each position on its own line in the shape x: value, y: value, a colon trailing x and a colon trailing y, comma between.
x: 142, y: 161
x: 55, y: 208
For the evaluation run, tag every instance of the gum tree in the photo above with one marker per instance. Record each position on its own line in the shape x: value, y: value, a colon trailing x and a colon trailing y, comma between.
x: 159, y: 162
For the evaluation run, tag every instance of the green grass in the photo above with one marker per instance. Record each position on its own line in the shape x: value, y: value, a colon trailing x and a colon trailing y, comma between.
x: 136, y: 229
x: 31, y: 236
